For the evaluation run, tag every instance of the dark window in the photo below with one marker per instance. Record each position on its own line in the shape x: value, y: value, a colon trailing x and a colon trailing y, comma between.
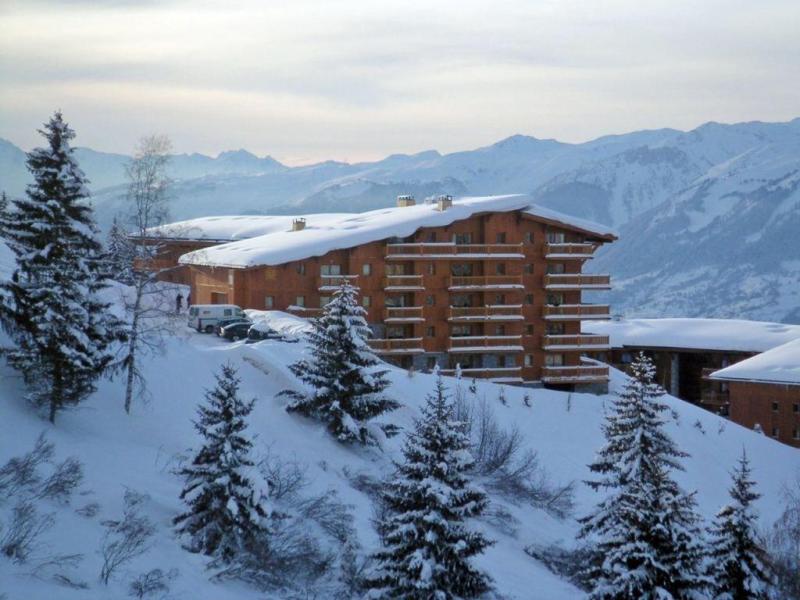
x: 555, y: 328
x: 500, y: 238
x: 461, y: 269
x: 301, y: 268
x: 461, y: 330
x: 528, y: 298
x: 462, y: 238
x: 555, y: 237
x: 529, y: 360
x: 500, y: 268
x: 431, y: 363
x: 366, y: 269
x: 775, y: 432
x: 462, y: 300
x: 431, y: 268
x: 529, y: 329
x: 555, y: 268
x: 499, y: 329
x: 430, y: 300
x: 432, y: 239
x: 499, y: 298
x: 796, y: 408
x: 431, y: 332
x: 529, y: 269
x: 555, y: 299
x: 528, y: 237
x: 774, y: 407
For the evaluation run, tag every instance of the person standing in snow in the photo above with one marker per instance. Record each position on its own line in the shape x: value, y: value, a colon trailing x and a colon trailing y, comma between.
x: 178, y: 303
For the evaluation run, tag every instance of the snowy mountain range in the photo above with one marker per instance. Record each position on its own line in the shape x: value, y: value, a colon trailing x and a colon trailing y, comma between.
x: 709, y: 219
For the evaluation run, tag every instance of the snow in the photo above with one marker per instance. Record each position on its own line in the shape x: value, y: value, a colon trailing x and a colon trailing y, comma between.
x: 695, y: 334
x: 778, y: 365
x: 592, y: 227
x: 324, y: 233
x: 231, y: 228
x: 140, y: 452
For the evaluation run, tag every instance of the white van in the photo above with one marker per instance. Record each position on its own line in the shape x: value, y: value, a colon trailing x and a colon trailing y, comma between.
x: 203, y: 317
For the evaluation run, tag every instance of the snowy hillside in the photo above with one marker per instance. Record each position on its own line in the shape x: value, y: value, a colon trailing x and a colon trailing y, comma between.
x: 139, y: 452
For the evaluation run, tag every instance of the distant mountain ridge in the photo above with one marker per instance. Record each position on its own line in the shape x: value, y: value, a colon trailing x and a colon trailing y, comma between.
x: 708, y: 218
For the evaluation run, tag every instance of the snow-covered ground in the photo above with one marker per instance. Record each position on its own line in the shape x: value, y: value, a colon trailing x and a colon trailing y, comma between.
x: 139, y: 452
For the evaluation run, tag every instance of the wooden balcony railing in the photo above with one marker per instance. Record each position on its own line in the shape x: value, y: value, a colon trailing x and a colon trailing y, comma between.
x: 577, y: 282
x: 487, y: 372
x: 334, y: 282
x: 403, y: 282
x: 302, y: 311
x: 486, y: 343
x: 574, y: 374
x: 449, y: 250
x: 568, y: 250
x: 499, y: 312
x: 486, y: 282
x: 397, y: 346
x: 576, y: 311
x: 575, y: 342
x: 402, y: 314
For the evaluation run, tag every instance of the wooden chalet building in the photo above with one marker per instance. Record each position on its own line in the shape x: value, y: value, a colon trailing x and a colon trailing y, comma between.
x: 764, y: 392
x: 493, y: 285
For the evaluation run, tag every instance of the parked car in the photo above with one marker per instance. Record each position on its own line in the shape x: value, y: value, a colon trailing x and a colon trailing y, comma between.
x: 204, y: 317
x: 236, y: 331
x: 262, y: 331
x: 222, y: 323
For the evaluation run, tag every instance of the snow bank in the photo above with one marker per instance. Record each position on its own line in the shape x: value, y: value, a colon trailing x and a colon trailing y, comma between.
x: 779, y: 365
x: 695, y: 334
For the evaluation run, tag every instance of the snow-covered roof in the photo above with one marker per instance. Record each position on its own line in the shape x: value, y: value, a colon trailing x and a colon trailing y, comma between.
x: 326, y: 232
x: 230, y: 228
x: 695, y: 334
x: 779, y: 365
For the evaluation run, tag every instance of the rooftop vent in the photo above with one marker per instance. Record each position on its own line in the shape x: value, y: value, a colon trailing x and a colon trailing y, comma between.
x: 444, y: 202
x: 406, y: 201
x: 298, y: 224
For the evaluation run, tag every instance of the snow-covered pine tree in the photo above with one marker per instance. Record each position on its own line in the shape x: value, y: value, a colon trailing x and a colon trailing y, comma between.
x: 426, y: 546
x: 227, y: 499
x: 60, y: 328
x: 737, y: 560
x: 346, y: 388
x: 120, y: 254
x: 646, y: 531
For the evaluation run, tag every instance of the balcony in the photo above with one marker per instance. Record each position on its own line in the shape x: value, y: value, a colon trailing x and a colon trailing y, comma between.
x: 449, y: 251
x: 577, y: 282
x: 496, y: 312
x: 567, y: 251
x: 397, y: 346
x: 403, y: 314
x: 331, y: 283
x: 486, y: 282
x: 576, y: 312
x: 498, y: 374
x: 582, y: 374
x: 559, y: 343
x: 403, y: 283
x: 505, y: 344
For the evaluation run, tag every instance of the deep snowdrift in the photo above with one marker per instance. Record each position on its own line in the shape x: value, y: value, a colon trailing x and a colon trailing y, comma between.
x: 139, y: 452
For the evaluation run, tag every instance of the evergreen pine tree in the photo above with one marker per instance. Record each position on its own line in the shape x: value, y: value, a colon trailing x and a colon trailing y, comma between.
x: 646, y: 530
x: 60, y: 328
x: 345, y: 386
x: 228, y: 512
x: 120, y: 254
x: 737, y: 561
x: 426, y: 546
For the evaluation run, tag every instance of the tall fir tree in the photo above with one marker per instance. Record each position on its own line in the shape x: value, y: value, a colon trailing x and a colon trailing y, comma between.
x: 646, y: 531
x: 346, y: 386
x: 426, y: 545
x: 228, y: 511
x: 738, y: 564
x: 61, y: 330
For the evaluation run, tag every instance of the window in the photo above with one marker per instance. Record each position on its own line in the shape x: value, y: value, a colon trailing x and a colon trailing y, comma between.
x: 554, y: 360
x: 500, y: 238
x: 502, y: 361
x: 430, y: 332
x: 430, y: 363
x: 366, y: 269
x: 461, y: 269
x: 529, y: 360
x: 626, y: 358
x: 775, y: 432
x: 555, y: 328
x: 300, y: 268
x: 366, y: 301
x: 556, y: 268
x: 796, y: 408
x: 462, y: 238
x: 461, y: 330
x: 774, y: 407
x: 395, y: 269
x: 230, y: 276
x: 431, y: 268
x: 300, y: 301
x: 528, y: 237
x: 499, y: 298
x: 269, y: 302
x: 324, y: 301
x: 555, y: 237
x: 431, y: 239
x: 528, y: 298
x: 499, y: 329
x: 394, y: 332
x: 529, y: 269
x: 555, y: 299
x: 461, y: 300
x: 430, y: 300
x: 331, y: 269
x: 796, y: 433
x: 227, y: 312
x: 528, y: 329
x: 500, y: 268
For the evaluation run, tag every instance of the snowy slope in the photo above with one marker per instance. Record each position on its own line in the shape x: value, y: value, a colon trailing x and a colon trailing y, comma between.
x: 139, y: 452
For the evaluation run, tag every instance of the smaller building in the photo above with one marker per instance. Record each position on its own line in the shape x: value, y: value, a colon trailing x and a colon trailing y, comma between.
x: 686, y: 351
x: 764, y: 392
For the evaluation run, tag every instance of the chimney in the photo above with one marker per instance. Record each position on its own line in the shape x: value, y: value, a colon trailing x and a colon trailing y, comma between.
x: 298, y: 224
x: 444, y: 202
x: 405, y: 201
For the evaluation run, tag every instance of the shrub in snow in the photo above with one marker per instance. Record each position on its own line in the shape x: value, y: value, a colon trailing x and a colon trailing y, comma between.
x: 227, y: 499
x: 21, y: 473
x: 152, y: 582
x: 23, y: 531
x: 426, y: 547
x: 127, y: 538
x: 346, y: 389
x: 646, y: 528
x: 60, y: 329
x: 784, y: 546
x: 737, y: 560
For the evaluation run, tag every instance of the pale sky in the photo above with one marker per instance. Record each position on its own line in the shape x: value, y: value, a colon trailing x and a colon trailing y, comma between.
x: 352, y: 80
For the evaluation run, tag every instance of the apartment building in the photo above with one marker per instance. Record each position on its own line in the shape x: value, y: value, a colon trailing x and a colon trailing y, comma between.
x: 490, y: 285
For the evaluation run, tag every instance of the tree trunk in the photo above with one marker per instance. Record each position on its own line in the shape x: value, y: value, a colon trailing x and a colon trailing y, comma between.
x: 130, y: 360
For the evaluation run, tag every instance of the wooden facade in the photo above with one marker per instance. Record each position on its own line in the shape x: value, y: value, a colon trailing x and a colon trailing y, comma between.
x: 498, y: 294
x: 773, y: 408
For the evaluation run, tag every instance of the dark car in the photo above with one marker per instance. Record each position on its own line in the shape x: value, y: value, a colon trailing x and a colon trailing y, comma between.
x: 223, y: 323
x: 236, y: 331
x: 261, y: 332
